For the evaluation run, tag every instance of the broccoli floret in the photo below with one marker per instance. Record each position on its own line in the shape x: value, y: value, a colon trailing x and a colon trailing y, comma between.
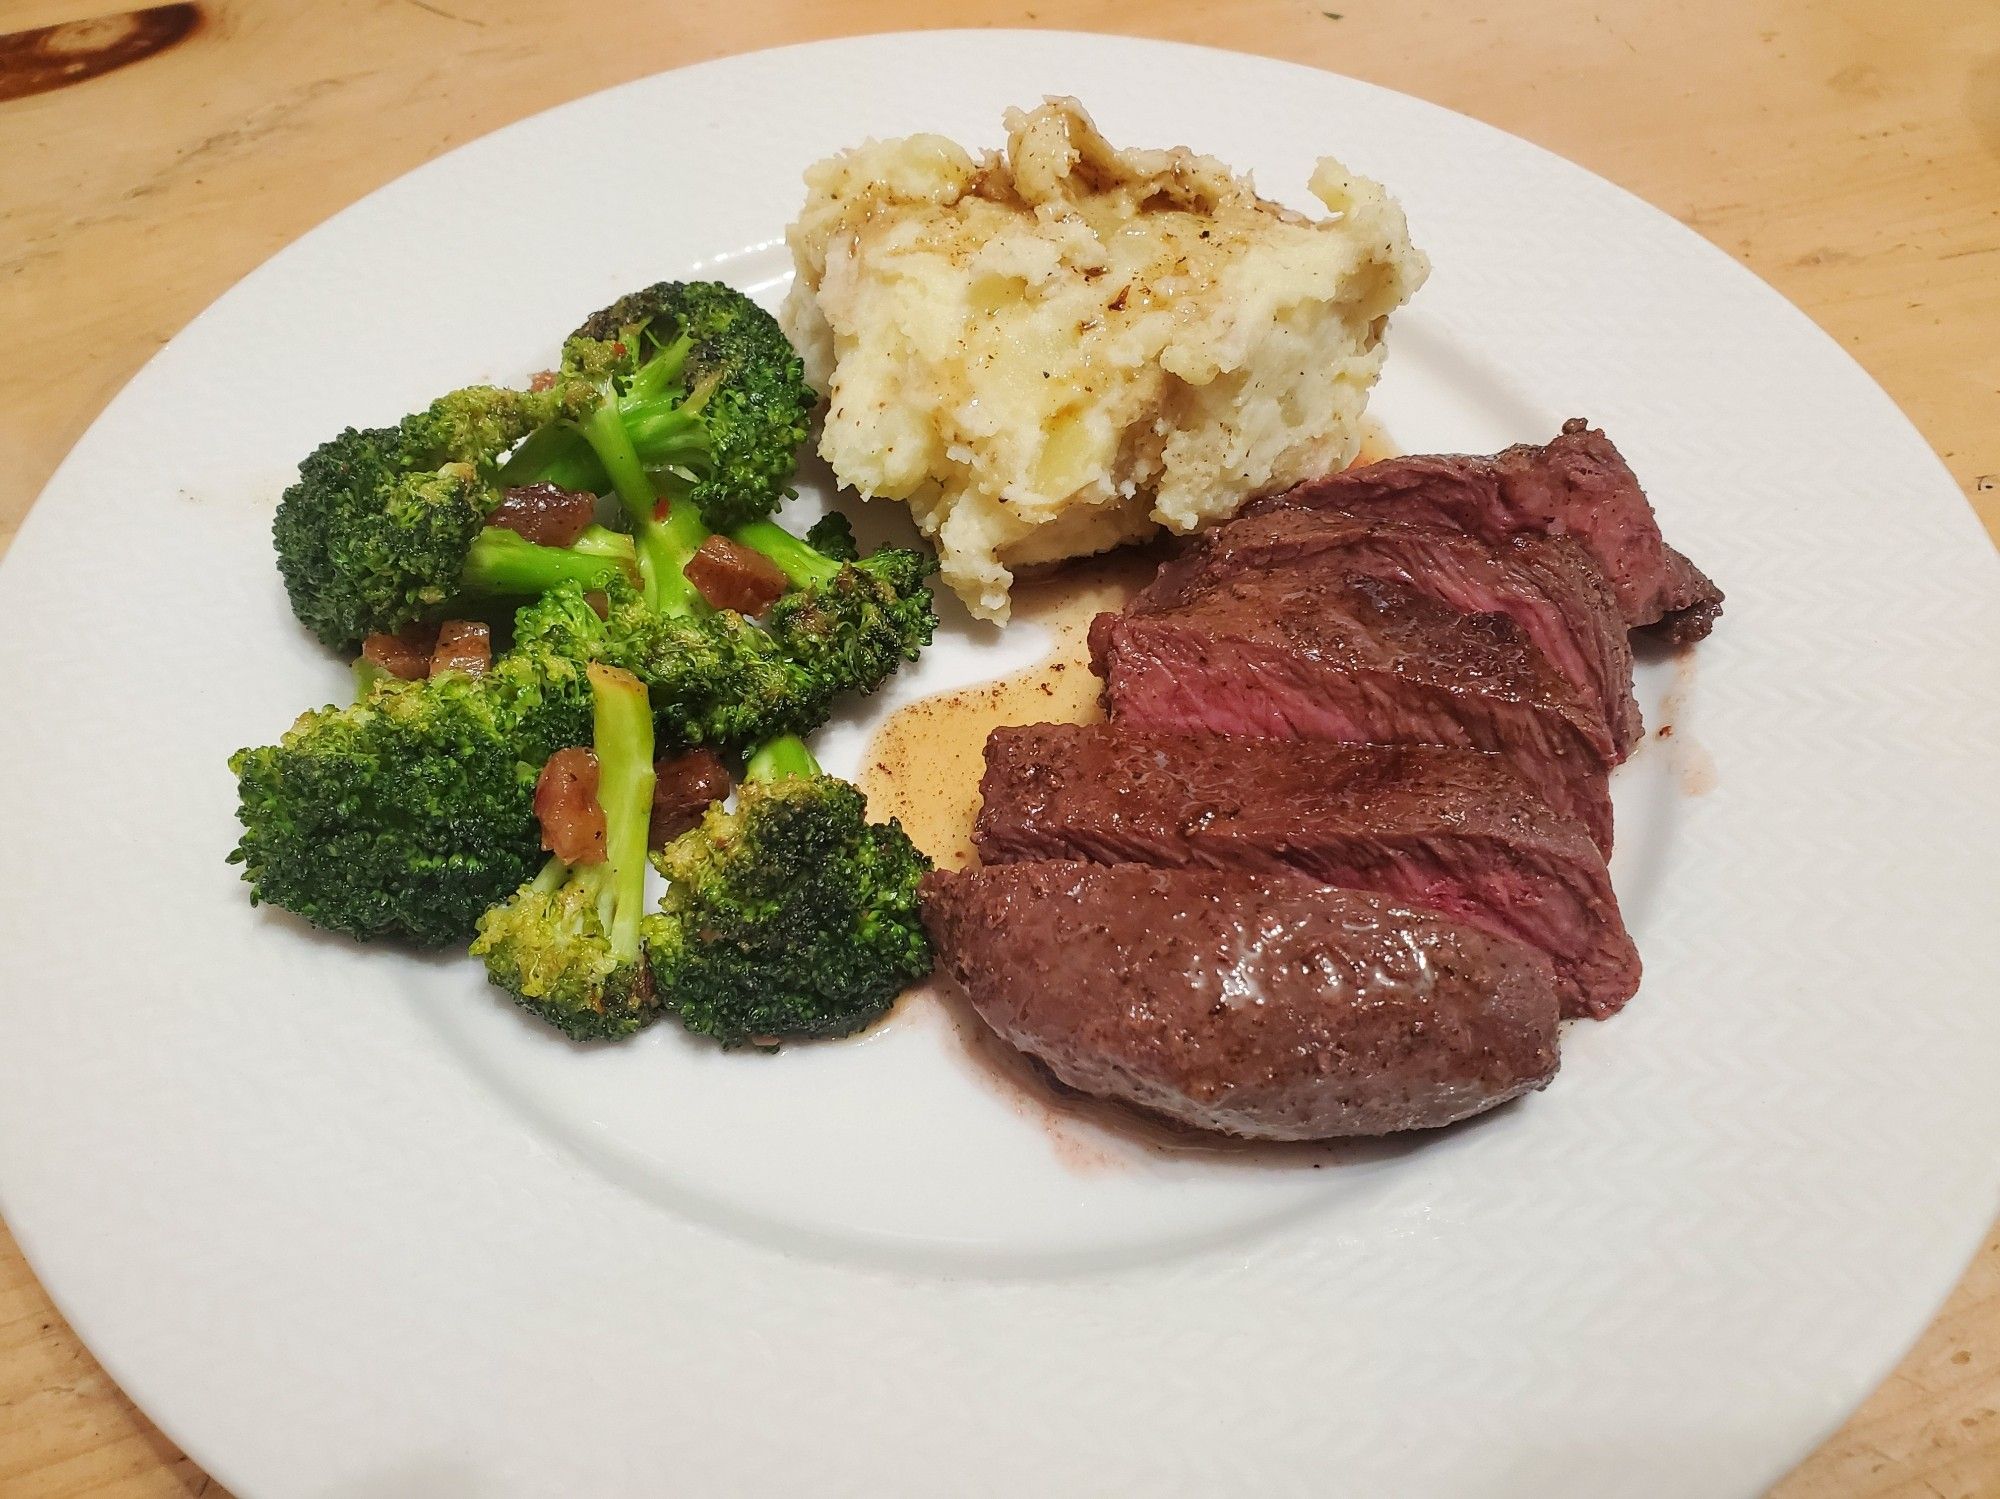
x: 791, y: 915
x: 705, y: 380
x: 851, y: 622
x: 387, y: 525
x: 718, y: 679
x: 715, y: 680
x: 832, y: 536
x: 566, y: 945
x: 738, y: 404
x: 407, y: 814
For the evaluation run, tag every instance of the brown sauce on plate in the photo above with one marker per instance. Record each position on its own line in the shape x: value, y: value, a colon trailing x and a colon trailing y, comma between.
x: 924, y: 763
x: 1693, y: 767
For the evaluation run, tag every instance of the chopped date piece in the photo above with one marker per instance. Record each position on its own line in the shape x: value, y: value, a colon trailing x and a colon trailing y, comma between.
x: 566, y: 804
x: 600, y: 603
x: 405, y: 654
x: 684, y: 786
x: 463, y: 645
x: 545, y: 514
x: 731, y: 576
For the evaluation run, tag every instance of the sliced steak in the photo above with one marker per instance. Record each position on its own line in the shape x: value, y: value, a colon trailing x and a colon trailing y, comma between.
x: 1578, y: 485
x: 1299, y: 651
x: 1450, y: 830
x: 1547, y: 585
x: 1266, y: 1008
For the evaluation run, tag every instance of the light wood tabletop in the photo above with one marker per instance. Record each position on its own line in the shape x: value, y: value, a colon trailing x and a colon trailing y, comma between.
x: 1848, y: 151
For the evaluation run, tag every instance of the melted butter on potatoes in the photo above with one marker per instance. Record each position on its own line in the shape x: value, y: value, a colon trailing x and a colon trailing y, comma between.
x: 1066, y: 346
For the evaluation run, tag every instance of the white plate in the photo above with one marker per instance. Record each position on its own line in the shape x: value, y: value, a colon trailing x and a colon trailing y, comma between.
x: 345, y: 1226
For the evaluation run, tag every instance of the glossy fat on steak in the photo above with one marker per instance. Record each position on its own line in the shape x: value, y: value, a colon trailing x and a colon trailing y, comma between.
x: 1449, y: 830
x: 1578, y: 485
x: 1303, y: 650
x: 1265, y: 1008
x: 1548, y: 585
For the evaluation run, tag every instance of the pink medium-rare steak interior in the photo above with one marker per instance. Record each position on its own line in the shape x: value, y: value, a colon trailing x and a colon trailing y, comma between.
x: 1577, y: 485
x: 1450, y: 830
x: 1299, y: 652
x: 1549, y: 586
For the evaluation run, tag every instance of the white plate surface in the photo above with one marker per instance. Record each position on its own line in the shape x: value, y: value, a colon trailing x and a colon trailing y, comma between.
x: 347, y: 1226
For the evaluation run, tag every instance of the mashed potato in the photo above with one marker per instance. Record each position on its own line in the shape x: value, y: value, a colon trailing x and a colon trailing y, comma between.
x: 1058, y: 349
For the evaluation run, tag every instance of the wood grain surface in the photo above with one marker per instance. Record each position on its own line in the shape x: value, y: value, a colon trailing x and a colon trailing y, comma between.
x: 1848, y: 151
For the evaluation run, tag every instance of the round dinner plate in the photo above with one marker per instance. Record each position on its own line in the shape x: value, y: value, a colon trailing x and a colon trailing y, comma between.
x: 346, y: 1225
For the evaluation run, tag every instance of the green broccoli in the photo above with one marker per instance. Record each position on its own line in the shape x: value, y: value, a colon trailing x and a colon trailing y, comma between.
x: 693, y: 383
x: 504, y: 564
x: 408, y: 813
x: 716, y: 680
x: 702, y: 405
x: 848, y: 621
x: 566, y: 945
x: 832, y: 536
x: 791, y: 915
x: 709, y: 389
x: 387, y: 525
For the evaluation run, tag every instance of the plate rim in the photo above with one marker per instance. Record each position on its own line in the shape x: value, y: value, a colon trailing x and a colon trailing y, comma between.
x: 51, y: 1274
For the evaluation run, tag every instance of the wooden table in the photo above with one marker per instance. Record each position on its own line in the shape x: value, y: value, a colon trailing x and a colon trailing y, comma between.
x: 1847, y: 151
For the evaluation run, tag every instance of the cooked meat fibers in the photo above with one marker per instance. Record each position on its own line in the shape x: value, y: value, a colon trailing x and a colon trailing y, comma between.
x: 1547, y: 585
x: 1578, y: 485
x: 1299, y: 650
x: 1266, y: 1008
x: 1449, y: 830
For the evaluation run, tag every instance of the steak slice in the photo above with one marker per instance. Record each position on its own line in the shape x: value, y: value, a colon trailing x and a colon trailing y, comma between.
x: 1449, y: 830
x: 1266, y: 1008
x: 1299, y: 651
x: 1578, y: 485
x: 1547, y: 585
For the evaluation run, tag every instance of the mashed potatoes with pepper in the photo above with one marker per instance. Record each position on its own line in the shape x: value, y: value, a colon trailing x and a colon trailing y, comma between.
x: 1067, y: 346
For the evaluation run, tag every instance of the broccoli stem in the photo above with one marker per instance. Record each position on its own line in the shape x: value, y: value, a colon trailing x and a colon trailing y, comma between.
x: 665, y: 542
x: 661, y: 419
x: 663, y: 434
x: 367, y: 677
x: 505, y: 564
x: 802, y: 564
x: 622, y: 717
x: 605, y: 431
x: 657, y: 375
x: 550, y: 879
x: 555, y: 454
x: 778, y: 758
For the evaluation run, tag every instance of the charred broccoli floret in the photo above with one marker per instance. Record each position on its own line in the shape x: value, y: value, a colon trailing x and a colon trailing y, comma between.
x: 408, y: 813
x: 566, y: 945
x: 852, y: 620
x: 721, y: 414
x: 791, y: 915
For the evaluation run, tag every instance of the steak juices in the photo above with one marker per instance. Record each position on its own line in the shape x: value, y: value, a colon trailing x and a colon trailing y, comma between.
x: 1336, y: 864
